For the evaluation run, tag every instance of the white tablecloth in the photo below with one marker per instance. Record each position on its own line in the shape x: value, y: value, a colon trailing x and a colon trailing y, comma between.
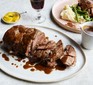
x: 85, y: 77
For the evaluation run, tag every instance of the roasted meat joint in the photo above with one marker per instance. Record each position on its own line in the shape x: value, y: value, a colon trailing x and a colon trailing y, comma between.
x: 36, y: 46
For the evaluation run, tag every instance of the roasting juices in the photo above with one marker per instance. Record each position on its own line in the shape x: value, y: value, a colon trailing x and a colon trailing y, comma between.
x: 88, y: 30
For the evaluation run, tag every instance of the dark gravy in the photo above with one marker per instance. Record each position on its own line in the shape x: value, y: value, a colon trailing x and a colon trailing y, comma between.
x: 45, y: 69
x: 5, y: 57
x: 70, y: 24
x: 88, y: 29
x: 33, y: 67
x: 27, y: 65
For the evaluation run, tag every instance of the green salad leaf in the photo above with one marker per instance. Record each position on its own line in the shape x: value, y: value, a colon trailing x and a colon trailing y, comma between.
x: 81, y: 14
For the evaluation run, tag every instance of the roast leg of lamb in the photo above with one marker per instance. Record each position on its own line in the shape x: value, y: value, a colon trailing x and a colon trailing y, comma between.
x: 21, y: 40
x: 33, y: 43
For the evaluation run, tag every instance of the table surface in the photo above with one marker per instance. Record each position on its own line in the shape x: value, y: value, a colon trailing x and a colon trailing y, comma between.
x: 85, y: 77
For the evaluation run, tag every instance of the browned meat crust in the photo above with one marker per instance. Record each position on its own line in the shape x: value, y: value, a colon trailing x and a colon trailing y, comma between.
x: 33, y: 43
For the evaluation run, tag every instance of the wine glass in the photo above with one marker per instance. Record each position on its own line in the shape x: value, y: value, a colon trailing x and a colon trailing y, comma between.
x: 38, y: 5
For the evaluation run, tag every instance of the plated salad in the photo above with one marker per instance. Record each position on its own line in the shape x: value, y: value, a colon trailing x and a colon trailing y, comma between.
x: 79, y: 13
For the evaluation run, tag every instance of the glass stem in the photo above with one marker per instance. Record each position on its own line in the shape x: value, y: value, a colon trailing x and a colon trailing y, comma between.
x: 38, y: 15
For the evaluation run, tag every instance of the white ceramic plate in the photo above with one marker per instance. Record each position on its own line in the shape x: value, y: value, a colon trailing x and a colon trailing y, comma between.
x: 56, y: 10
x: 40, y: 76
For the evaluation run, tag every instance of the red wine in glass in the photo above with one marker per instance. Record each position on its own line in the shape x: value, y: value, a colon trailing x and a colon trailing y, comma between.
x: 37, y: 4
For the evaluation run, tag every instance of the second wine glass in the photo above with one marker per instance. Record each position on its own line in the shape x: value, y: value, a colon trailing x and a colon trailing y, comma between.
x: 38, y: 5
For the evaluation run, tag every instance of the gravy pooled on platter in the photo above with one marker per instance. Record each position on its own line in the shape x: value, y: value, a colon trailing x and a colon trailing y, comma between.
x: 5, y: 57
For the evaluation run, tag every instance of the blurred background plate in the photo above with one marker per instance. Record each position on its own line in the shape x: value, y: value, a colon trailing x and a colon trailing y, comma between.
x: 56, y: 10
